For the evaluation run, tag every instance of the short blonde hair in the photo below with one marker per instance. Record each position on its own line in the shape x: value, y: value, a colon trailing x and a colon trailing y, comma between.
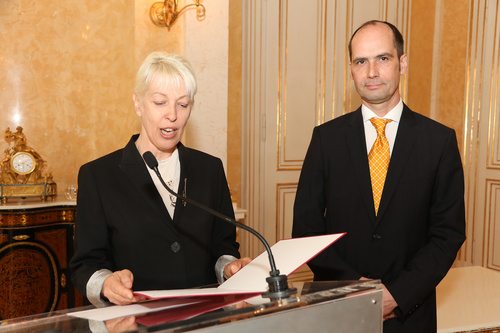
x: 170, y: 68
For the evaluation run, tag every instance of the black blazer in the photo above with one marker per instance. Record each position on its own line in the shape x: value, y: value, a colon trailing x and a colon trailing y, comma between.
x: 411, y: 244
x: 122, y: 222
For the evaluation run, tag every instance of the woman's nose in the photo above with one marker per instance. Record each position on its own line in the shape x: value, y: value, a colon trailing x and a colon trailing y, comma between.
x: 171, y: 113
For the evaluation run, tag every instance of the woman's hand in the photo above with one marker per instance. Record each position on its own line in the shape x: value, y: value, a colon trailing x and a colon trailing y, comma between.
x: 121, y: 324
x: 117, y: 288
x: 235, y: 266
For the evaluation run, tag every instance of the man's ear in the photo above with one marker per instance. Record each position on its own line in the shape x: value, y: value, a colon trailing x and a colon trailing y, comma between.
x: 403, y: 64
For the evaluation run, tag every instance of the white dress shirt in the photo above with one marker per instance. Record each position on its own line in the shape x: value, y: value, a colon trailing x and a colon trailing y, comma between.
x: 391, y: 128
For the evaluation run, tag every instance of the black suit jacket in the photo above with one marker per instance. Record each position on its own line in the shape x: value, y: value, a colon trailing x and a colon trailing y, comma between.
x: 411, y: 244
x: 122, y: 222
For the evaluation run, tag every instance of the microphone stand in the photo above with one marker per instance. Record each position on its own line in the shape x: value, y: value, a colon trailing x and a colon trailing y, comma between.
x: 278, y: 283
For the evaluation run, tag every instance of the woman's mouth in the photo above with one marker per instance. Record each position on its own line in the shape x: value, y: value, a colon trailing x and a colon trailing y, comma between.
x: 168, y: 131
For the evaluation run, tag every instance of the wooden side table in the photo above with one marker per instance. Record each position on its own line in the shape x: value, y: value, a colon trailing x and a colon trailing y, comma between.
x: 36, y: 244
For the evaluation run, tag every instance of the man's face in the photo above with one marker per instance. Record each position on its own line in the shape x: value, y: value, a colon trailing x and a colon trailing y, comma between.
x: 376, y: 68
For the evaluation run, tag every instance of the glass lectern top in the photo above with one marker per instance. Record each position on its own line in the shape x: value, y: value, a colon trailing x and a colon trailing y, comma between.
x: 198, y: 315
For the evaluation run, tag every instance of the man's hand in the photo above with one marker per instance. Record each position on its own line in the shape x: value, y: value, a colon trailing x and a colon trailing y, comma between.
x: 117, y: 288
x: 235, y: 266
x: 388, y: 301
x: 389, y: 304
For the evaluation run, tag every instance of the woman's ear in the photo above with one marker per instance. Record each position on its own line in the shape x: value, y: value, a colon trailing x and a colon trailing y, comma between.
x: 137, y: 104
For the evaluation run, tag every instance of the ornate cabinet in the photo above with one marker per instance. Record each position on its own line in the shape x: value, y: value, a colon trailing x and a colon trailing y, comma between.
x: 36, y: 244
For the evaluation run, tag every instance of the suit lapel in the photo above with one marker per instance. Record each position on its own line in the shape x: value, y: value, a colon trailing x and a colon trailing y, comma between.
x: 403, y: 146
x: 136, y: 170
x: 355, y: 140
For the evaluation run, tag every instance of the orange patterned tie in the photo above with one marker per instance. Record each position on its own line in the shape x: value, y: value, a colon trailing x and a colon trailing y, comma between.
x: 378, y: 159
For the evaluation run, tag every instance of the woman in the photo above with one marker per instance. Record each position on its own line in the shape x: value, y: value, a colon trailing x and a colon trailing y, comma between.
x: 129, y: 231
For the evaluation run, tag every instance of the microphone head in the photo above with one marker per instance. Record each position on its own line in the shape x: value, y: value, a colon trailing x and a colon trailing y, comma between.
x: 150, y: 160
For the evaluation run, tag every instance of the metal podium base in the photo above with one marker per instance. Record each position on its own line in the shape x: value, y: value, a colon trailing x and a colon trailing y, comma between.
x: 357, y: 313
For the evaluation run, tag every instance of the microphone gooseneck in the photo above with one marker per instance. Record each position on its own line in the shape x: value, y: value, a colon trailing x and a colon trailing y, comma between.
x: 278, y: 285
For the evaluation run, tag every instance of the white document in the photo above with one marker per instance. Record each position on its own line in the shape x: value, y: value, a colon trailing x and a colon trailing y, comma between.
x: 112, y: 312
x: 173, y: 293
x: 289, y: 255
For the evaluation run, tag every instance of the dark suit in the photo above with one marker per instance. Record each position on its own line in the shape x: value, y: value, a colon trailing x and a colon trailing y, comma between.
x: 412, y: 242
x: 122, y: 222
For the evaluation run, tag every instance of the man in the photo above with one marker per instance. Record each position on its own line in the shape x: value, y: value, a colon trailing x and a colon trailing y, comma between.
x: 406, y: 233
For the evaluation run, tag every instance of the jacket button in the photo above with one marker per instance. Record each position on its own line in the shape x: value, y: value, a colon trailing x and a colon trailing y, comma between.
x: 175, y: 247
x: 376, y: 237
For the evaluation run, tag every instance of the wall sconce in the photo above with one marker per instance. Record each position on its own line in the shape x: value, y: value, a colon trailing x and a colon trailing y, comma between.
x: 164, y: 14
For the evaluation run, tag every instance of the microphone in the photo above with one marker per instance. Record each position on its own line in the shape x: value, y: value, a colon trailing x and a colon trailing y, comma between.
x: 278, y: 283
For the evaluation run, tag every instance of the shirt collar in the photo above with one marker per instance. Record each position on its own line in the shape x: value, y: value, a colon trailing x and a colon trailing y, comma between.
x: 394, y: 114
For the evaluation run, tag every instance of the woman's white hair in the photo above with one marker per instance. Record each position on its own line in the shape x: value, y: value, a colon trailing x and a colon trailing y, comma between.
x: 165, y: 69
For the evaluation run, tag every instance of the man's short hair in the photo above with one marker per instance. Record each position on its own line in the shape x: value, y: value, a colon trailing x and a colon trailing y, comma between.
x: 398, y: 38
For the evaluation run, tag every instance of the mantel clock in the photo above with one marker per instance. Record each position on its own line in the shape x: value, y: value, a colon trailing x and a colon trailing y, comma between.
x: 21, y: 170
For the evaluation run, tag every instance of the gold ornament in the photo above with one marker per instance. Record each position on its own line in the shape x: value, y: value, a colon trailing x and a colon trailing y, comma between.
x: 21, y: 170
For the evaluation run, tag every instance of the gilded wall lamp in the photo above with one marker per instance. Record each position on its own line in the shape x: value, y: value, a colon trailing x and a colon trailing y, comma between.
x: 164, y: 13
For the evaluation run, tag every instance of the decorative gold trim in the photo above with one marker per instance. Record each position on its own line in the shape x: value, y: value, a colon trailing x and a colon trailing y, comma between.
x: 349, y: 29
x: 63, y: 280
x: 43, y: 190
x: 473, y: 108
x: 490, y: 224
x: 20, y: 237
x: 493, y: 144
x: 283, y: 162
x: 482, y: 330
x: 334, y: 64
x: 282, y: 189
x: 36, y: 217
x: 406, y: 13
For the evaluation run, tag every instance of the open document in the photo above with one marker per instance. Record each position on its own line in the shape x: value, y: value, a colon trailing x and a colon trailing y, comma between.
x: 289, y: 255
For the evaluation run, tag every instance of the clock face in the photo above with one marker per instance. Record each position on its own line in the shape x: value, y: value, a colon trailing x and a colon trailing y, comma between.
x: 23, y: 163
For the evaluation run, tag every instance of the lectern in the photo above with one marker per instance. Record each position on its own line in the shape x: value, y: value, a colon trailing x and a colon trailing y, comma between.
x: 336, y: 306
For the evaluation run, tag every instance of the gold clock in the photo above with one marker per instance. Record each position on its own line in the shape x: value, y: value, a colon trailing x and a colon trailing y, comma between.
x: 21, y: 170
x: 23, y: 163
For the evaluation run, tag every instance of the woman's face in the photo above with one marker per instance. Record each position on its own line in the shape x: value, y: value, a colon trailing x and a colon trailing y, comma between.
x: 164, y: 110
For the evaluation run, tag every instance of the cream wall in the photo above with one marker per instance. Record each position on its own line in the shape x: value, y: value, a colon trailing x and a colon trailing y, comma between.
x: 438, y: 60
x: 442, y: 82
x: 68, y: 70
x: 206, y: 47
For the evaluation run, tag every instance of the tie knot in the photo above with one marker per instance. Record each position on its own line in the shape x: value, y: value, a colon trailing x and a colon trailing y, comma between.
x: 379, y: 124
